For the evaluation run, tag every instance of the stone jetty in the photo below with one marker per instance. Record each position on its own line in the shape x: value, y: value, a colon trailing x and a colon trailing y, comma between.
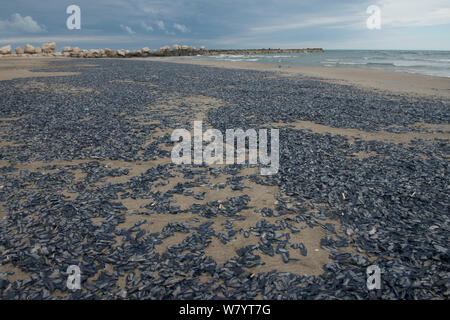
x: 49, y: 49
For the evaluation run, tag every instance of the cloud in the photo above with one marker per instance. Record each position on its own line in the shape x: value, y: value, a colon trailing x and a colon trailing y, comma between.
x: 161, y: 25
x: 146, y: 26
x: 222, y: 24
x: 20, y: 24
x: 394, y: 13
x: 414, y: 13
x: 127, y: 29
x: 308, y: 22
x: 180, y: 27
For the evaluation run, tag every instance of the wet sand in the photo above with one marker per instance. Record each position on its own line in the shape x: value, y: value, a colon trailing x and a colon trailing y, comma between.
x: 18, y: 67
x: 396, y: 82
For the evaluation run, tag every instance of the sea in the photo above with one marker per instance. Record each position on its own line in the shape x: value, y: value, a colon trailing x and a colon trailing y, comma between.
x: 435, y: 63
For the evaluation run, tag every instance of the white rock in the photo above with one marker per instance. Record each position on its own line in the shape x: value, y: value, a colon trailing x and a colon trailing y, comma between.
x: 19, y: 50
x: 5, y: 49
x: 97, y: 53
x: 145, y: 50
x: 29, y: 49
x: 76, y: 52
x: 38, y: 50
x: 66, y: 49
x: 84, y: 53
x: 121, y: 53
x: 49, y: 47
x: 109, y: 52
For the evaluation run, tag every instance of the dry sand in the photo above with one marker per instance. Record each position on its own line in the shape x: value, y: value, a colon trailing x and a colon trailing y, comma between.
x: 396, y: 82
x: 20, y: 67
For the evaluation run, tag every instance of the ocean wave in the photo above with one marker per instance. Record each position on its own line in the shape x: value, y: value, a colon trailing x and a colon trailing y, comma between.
x: 282, y: 56
x: 236, y: 60
x: 431, y: 63
x: 380, y: 64
x: 389, y: 64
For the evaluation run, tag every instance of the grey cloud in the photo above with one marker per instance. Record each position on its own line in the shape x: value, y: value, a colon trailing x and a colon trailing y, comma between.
x: 17, y: 23
x: 180, y: 27
x: 127, y: 29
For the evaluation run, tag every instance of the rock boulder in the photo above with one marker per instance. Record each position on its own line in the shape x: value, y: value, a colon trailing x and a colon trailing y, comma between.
x: 49, y: 47
x: 29, y: 49
x: 5, y: 49
x: 109, y: 52
x: 76, y: 52
x: 145, y: 51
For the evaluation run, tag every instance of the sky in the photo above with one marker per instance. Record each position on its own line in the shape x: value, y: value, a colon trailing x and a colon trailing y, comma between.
x: 232, y: 24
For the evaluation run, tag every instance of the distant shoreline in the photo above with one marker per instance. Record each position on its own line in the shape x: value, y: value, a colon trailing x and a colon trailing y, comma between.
x: 260, y: 51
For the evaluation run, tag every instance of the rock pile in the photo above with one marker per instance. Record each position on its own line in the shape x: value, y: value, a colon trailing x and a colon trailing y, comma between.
x: 49, y: 49
x: 29, y: 49
x: 5, y: 50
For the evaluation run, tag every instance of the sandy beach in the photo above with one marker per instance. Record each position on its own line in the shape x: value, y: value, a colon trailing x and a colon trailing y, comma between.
x: 396, y: 82
x: 87, y: 178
